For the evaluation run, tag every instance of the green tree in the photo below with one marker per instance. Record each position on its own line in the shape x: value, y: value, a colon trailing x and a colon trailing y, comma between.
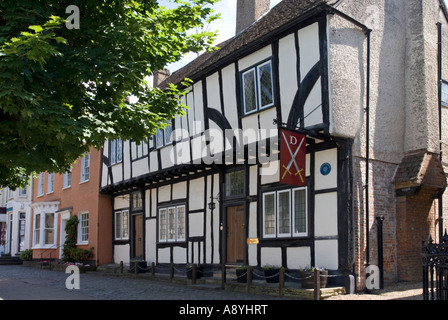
x: 64, y: 89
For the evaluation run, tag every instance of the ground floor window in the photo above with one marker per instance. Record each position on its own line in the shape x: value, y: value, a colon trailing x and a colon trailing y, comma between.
x: 83, y: 228
x: 44, y: 232
x: 285, y: 213
x: 172, y: 224
x: 122, y: 225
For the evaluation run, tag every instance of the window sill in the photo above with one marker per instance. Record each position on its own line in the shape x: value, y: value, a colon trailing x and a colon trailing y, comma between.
x: 68, y: 187
x: 85, y: 181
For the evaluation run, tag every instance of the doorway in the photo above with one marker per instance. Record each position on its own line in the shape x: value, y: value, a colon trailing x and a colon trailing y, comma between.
x: 21, y: 244
x: 138, y: 236
x: 236, y: 244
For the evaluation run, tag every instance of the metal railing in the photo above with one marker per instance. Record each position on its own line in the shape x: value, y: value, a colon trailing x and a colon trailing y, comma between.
x: 435, y: 269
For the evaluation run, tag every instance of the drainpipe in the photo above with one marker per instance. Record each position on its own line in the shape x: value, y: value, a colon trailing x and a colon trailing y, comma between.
x: 367, y: 31
x: 439, y: 76
x: 367, y: 187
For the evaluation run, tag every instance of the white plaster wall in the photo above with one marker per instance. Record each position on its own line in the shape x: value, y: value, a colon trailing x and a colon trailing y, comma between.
x: 121, y: 253
x: 288, y: 79
x: 298, y: 257
x: 140, y: 167
x: 196, y: 196
x: 126, y: 161
x: 179, y: 255
x: 270, y: 172
x: 164, y: 193
x: 153, y: 203
x: 196, y: 224
x: 326, y: 214
x: 253, y: 179
x: 230, y: 102
x: 271, y: 256
x: 180, y: 190
x: 329, y: 181
x: 198, y: 125
x: 309, y: 48
x: 104, y: 172
x: 117, y: 172
x: 255, y: 58
x: 153, y: 162
x: 151, y: 240
x: 326, y: 254
x: 121, y: 202
x: 164, y: 255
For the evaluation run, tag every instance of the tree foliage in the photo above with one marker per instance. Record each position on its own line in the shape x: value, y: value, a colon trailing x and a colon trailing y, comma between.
x: 63, y: 90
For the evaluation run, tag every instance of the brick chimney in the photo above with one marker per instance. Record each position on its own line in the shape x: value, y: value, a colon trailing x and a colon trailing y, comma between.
x: 249, y: 11
x: 159, y: 76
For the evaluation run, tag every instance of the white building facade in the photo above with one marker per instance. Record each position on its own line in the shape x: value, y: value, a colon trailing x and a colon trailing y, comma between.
x: 210, y: 189
x: 17, y: 219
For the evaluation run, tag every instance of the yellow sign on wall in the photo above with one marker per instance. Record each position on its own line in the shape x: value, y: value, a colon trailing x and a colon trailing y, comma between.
x: 253, y: 241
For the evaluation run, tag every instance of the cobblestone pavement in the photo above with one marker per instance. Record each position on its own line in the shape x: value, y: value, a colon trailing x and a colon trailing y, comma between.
x: 397, y: 291
x: 23, y: 283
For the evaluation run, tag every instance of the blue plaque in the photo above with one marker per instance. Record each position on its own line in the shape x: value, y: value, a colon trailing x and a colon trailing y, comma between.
x: 325, y: 169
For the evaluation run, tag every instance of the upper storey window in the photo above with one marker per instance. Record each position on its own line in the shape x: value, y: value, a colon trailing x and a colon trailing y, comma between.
x: 116, y: 151
x: 258, y: 89
x: 163, y: 137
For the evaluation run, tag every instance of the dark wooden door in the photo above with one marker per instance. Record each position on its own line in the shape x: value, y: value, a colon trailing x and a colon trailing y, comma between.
x: 138, y: 236
x: 236, y: 243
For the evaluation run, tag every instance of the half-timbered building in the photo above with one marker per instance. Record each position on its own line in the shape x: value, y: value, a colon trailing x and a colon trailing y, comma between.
x: 292, y: 126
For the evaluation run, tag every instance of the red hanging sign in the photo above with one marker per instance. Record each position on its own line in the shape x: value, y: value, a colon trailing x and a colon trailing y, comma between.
x: 292, y: 158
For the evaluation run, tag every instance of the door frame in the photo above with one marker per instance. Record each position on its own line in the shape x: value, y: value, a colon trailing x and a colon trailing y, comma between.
x: 227, y: 205
x: 19, y: 225
x: 65, y: 216
x: 133, y: 235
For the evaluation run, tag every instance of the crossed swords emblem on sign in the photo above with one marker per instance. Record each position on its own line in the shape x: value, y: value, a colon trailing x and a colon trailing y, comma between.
x: 293, y: 160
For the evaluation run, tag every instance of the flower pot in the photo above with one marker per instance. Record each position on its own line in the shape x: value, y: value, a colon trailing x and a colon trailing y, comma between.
x: 241, y: 275
x: 198, y: 272
x: 307, y: 279
x: 272, y: 275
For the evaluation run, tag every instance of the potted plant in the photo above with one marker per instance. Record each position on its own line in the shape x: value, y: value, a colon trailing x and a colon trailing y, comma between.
x: 189, y: 270
x: 307, y: 277
x: 271, y: 273
x: 241, y: 274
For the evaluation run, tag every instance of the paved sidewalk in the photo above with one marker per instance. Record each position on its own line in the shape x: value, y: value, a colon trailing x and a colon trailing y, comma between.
x: 22, y: 283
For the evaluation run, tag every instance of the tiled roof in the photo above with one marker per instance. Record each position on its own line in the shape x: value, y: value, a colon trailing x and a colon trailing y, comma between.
x: 285, y: 12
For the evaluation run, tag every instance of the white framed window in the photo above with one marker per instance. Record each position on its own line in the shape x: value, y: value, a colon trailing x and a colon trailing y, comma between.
x: 445, y: 93
x: 50, y: 186
x: 235, y: 183
x: 116, y: 151
x: 83, y: 228
x: 68, y: 179
x: 172, y: 224
x: 40, y: 184
x: 163, y: 137
x: 122, y: 225
x: 49, y: 233
x: 285, y: 213
x: 300, y: 209
x: 37, y: 229
x: 269, y: 210
x: 257, y: 87
x: 136, y: 201
x: 85, y: 168
x: 22, y: 192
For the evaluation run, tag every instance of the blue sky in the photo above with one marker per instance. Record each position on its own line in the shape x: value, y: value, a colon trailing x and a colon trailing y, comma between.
x: 225, y: 26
